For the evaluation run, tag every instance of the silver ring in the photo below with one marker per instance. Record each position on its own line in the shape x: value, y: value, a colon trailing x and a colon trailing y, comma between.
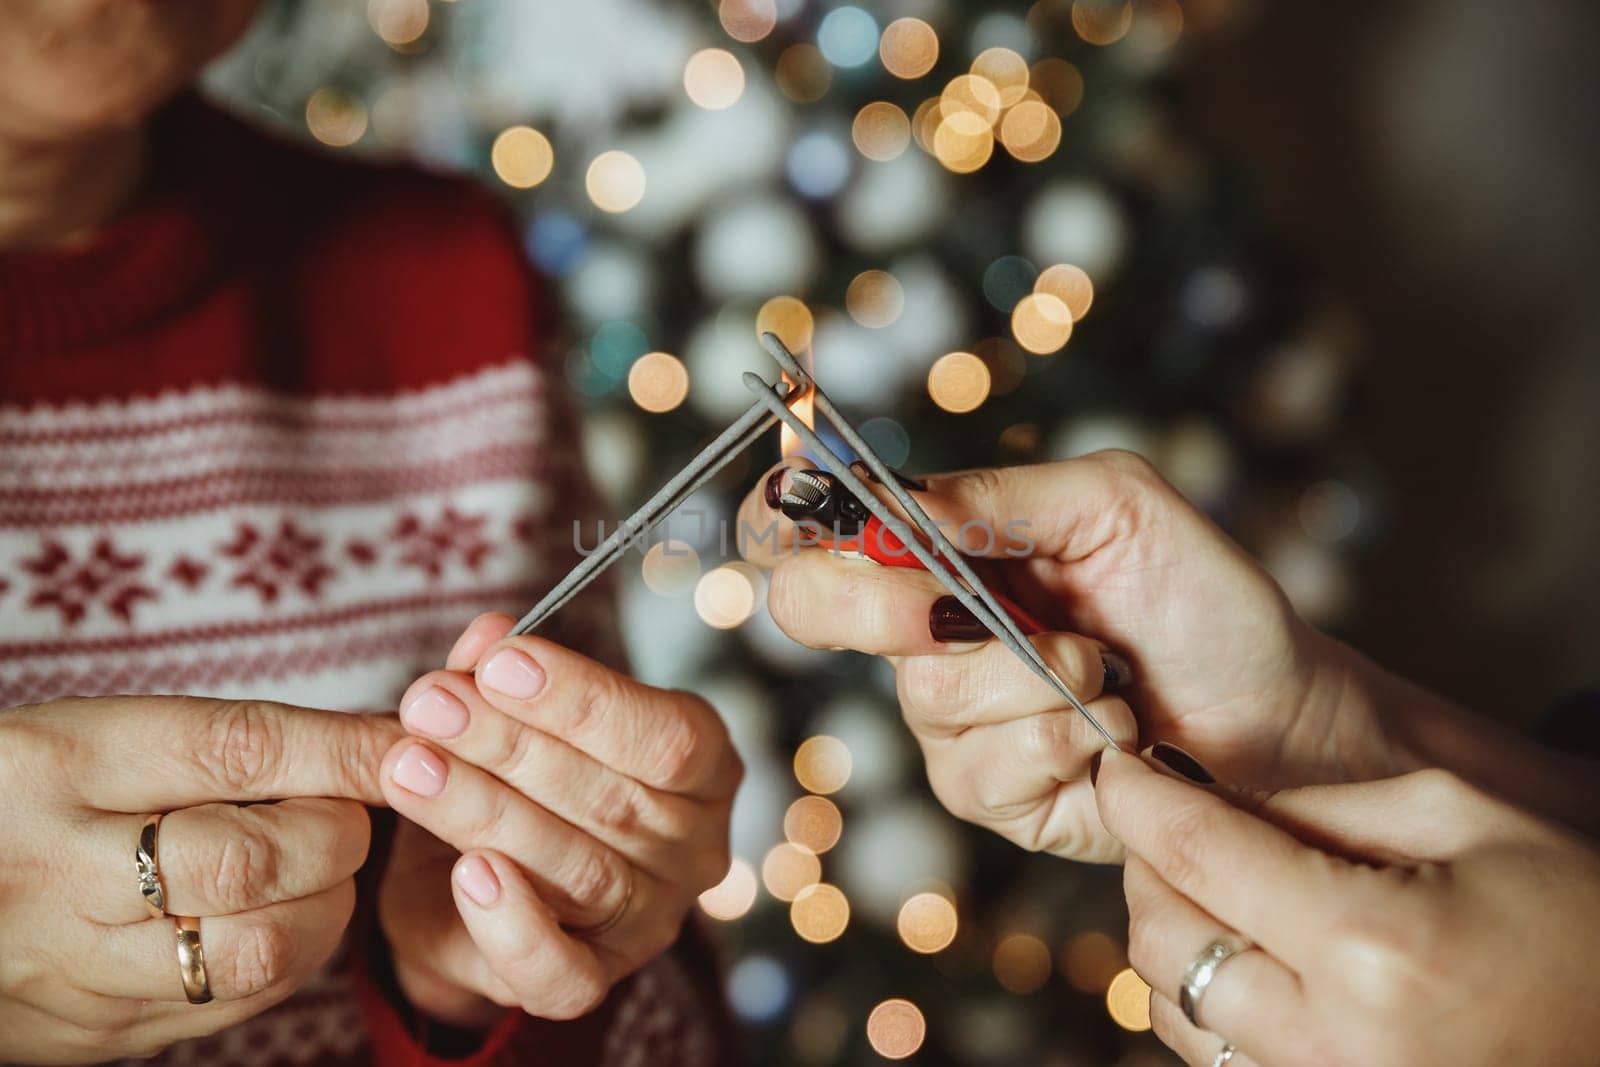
x: 1224, y: 1054
x: 1204, y: 968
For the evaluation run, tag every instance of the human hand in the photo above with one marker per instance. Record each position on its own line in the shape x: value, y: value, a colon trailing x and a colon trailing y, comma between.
x: 1408, y: 921
x: 1193, y: 633
x: 568, y: 818
x: 86, y: 973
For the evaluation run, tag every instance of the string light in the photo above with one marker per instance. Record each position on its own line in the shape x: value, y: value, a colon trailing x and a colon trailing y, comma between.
x: 732, y: 897
x: 1128, y: 1001
x: 670, y: 568
x: 963, y: 142
x: 971, y: 93
x: 725, y: 597
x: 398, y: 22
x: 522, y: 157
x: 813, y: 823
x: 1006, y: 71
x: 909, y: 48
x: 1022, y: 964
x: 615, y: 182
x: 802, y: 74
x: 959, y: 382
x: 1069, y: 284
x: 927, y: 923
x: 335, y: 118
x: 875, y: 299
x: 748, y: 20
x: 790, y: 319
x: 881, y: 131
x: 820, y: 913
x: 822, y: 764
x: 1041, y: 323
x: 789, y: 870
x: 658, y: 382
x: 713, y: 79
x: 1031, y: 131
x: 896, y: 1029
x: 925, y: 123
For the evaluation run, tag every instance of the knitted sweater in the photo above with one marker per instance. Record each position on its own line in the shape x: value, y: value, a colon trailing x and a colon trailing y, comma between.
x: 280, y: 431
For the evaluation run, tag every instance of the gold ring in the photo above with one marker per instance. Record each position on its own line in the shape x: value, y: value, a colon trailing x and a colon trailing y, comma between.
x: 149, y: 868
x: 192, y: 961
x: 616, y: 916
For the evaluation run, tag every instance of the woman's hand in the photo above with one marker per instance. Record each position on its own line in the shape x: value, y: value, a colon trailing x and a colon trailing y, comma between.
x: 575, y: 815
x: 86, y: 973
x: 1401, y: 922
x: 1115, y: 561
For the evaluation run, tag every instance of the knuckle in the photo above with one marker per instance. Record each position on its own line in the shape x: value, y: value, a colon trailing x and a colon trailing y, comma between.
x: 680, y: 751
x: 596, y: 882
x: 600, y: 692
x: 243, y: 740
x: 1044, y: 738
x: 936, y: 689
x: 245, y: 870
x: 1126, y: 464
x: 1436, y: 789
x: 619, y: 807
x: 258, y: 958
x: 1180, y: 844
x: 1386, y: 950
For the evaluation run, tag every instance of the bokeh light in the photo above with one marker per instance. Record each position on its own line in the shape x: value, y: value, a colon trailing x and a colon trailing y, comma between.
x: 813, y: 823
x: 896, y: 1029
x: 1022, y: 964
x: 820, y: 913
x: 671, y: 568
x: 725, y: 597
x: 1102, y: 22
x: 747, y: 20
x: 909, y: 48
x: 803, y: 74
x: 732, y: 897
x: 1058, y: 83
x: 822, y: 764
x: 713, y: 79
x: 963, y: 142
x: 1007, y: 280
x: 615, y: 182
x: 848, y: 36
x: 1031, y: 131
x: 1004, y: 69
x: 881, y: 131
x: 927, y: 923
x: 1006, y: 362
x: 818, y: 164
x: 759, y: 989
x: 1128, y: 1001
x: 959, y: 382
x: 522, y: 157
x: 790, y: 319
x: 1091, y: 960
x: 875, y: 299
x: 658, y: 382
x: 925, y: 123
x: 971, y: 93
x: 335, y: 117
x: 1041, y: 323
x: 398, y: 22
x: 1069, y: 284
x: 789, y: 870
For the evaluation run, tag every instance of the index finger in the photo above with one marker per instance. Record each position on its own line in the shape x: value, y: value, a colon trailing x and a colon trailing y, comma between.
x: 1251, y: 875
x: 161, y: 753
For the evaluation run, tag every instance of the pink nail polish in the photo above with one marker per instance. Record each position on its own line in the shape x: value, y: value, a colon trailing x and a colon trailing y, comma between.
x: 436, y: 713
x: 476, y: 879
x: 419, y: 771
x: 514, y: 674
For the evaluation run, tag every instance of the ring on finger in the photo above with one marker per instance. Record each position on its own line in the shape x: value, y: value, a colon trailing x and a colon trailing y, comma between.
x: 616, y: 917
x: 192, y: 960
x: 1198, y: 975
x: 147, y: 864
x: 1224, y: 1054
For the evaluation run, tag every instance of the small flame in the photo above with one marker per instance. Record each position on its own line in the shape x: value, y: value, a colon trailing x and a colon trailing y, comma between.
x: 805, y: 406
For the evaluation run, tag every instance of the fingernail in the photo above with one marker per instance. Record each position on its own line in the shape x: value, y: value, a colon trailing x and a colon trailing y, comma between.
x: 1180, y: 761
x: 476, y: 879
x: 510, y: 672
x: 861, y: 468
x: 949, y: 620
x: 435, y: 712
x: 1118, y: 672
x: 772, y: 492
x: 419, y: 771
x: 1094, y: 767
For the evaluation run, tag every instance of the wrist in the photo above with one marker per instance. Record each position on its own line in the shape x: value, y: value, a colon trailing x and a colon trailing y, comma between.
x: 1350, y: 727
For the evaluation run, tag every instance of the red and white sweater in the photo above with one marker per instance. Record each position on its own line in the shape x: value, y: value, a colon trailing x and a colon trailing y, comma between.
x: 281, y: 431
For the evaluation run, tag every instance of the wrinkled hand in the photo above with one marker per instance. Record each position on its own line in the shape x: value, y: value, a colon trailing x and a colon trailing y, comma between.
x: 1400, y: 922
x: 1114, y: 560
x: 86, y: 974
x: 565, y: 818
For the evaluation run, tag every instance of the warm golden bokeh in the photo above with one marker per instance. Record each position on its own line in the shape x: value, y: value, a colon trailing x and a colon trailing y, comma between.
x: 875, y: 299
x: 822, y: 764
x: 1058, y: 84
x: 802, y: 74
x: 1031, y: 131
x: 909, y: 48
x: 335, y: 117
x: 820, y: 913
x: 963, y: 142
x: 1102, y: 22
x: 959, y: 382
x: 1091, y: 960
x: 671, y: 568
x: 927, y: 923
x: 1022, y: 964
x: 813, y: 823
x: 790, y: 319
x: 732, y: 897
x: 896, y: 1029
x: 615, y: 182
x: 1005, y: 70
x: 1041, y: 323
x: 658, y: 382
x: 925, y: 123
x: 881, y: 131
x: 747, y: 20
x: 522, y: 157
x: 1007, y: 363
x: 398, y: 22
x: 789, y: 869
x: 969, y: 92
x: 725, y: 598
x: 1128, y: 1001
x: 713, y: 79
x: 1069, y: 284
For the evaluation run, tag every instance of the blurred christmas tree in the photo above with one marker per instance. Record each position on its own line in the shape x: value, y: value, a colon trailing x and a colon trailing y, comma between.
x: 985, y: 227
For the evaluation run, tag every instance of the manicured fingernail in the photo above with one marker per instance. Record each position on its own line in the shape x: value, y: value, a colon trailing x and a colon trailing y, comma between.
x: 1117, y: 671
x: 861, y: 468
x: 949, y: 621
x: 435, y: 712
x: 1180, y: 761
x: 419, y: 771
x: 772, y: 492
x: 514, y: 674
x: 476, y: 879
x: 1094, y: 767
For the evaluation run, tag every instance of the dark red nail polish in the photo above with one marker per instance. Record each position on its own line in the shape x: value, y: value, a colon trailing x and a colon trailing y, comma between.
x: 949, y: 620
x: 1182, y: 762
x: 1094, y: 767
x: 1117, y: 671
x: 772, y: 492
